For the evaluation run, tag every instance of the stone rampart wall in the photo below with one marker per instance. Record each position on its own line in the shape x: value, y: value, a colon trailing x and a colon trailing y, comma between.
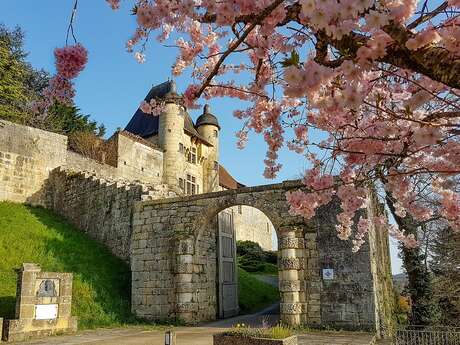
x: 27, y: 155
x: 102, y: 208
x: 77, y: 162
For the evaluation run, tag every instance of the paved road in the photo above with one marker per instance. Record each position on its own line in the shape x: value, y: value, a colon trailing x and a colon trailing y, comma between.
x: 267, y: 317
x: 188, y: 336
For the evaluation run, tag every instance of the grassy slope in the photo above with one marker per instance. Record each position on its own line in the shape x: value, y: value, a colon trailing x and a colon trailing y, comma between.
x: 253, y: 294
x: 101, y: 285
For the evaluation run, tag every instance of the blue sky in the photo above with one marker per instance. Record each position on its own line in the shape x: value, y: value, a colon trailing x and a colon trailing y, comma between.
x: 113, y: 83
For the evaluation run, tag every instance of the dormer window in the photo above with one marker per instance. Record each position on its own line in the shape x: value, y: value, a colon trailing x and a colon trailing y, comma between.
x: 215, y: 133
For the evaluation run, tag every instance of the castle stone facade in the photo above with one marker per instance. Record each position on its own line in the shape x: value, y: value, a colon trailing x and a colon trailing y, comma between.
x: 191, y: 158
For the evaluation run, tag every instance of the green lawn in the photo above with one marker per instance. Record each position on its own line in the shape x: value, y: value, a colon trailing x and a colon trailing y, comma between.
x: 253, y: 294
x: 101, y: 286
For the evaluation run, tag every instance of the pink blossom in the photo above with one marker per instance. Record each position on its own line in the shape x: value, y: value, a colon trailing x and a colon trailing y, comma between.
x: 115, y: 4
x: 376, y: 20
x: 423, y: 38
x: 190, y: 96
x: 409, y: 241
x: 301, y: 132
x: 70, y: 60
x: 139, y: 57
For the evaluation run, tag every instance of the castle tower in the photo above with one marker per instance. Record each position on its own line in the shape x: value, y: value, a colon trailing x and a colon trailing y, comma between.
x: 171, y: 127
x: 208, y: 127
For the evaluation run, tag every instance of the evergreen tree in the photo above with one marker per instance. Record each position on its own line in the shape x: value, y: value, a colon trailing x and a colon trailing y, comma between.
x: 67, y: 119
x: 445, y: 265
x: 13, y: 90
x: 424, y: 309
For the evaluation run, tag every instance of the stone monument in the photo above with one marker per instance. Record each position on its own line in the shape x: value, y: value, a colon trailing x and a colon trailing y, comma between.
x: 43, y: 305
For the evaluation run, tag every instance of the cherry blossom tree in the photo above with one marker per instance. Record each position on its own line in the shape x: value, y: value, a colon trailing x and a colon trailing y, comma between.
x: 380, y: 78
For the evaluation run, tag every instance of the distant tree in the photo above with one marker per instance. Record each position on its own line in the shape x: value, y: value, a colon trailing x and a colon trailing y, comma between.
x: 424, y: 309
x: 67, y: 119
x: 445, y: 265
x: 250, y: 249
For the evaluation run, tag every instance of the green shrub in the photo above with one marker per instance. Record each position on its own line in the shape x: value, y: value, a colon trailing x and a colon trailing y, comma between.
x: 276, y: 332
x: 252, y: 258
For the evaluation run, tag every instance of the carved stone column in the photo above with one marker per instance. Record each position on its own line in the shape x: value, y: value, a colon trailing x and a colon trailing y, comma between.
x: 290, y: 266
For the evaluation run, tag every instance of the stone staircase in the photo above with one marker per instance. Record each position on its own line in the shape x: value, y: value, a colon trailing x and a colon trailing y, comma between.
x: 149, y: 191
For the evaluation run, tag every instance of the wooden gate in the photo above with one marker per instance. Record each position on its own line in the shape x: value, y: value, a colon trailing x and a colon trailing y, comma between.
x: 227, y: 267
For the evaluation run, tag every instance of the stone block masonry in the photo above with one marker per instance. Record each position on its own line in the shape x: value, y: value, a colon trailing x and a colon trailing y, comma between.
x: 102, y: 208
x: 322, y: 283
x: 27, y: 155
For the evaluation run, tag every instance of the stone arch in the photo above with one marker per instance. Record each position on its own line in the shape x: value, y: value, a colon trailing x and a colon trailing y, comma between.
x: 168, y: 272
x: 205, y: 240
x: 212, y: 212
x: 269, y: 199
x: 290, y: 231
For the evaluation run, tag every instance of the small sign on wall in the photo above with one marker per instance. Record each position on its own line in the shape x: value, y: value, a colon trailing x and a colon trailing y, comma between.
x: 46, y: 311
x: 328, y: 273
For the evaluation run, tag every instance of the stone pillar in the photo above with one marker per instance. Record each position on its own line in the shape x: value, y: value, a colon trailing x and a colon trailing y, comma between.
x: 186, y: 307
x: 290, y: 266
x: 312, y: 310
x: 25, y: 302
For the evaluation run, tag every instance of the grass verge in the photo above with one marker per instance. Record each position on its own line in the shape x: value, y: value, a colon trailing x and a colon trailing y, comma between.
x: 253, y: 294
x: 101, y: 285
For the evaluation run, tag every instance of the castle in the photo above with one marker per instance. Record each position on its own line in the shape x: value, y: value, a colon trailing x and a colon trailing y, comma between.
x: 191, y: 158
x: 156, y: 206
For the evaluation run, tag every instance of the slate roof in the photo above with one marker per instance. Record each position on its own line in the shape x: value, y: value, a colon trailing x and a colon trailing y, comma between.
x: 207, y: 118
x: 145, y: 125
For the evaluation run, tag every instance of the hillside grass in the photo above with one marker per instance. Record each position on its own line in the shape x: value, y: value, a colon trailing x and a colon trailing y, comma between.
x: 101, y: 285
x: 253, y: 294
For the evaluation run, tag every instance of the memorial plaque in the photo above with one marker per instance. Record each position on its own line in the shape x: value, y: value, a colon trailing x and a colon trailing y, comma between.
x: 47, y: 288
x: 46, y: 311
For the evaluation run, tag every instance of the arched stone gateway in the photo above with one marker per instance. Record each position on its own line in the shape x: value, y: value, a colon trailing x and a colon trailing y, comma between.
x: 322, y: 283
